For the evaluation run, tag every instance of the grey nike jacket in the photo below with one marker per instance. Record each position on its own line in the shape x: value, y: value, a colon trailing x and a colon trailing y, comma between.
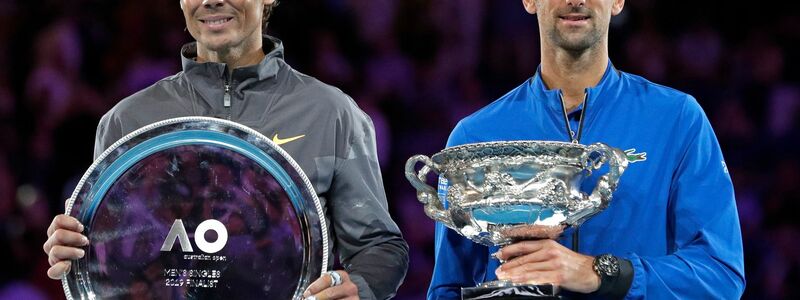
x: 331, y: 139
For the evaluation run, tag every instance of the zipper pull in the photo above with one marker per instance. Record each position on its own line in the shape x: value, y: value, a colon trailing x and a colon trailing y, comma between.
x: 226, y: 100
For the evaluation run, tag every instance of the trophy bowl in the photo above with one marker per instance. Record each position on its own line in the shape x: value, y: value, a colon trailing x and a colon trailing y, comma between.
x: 496, y: 193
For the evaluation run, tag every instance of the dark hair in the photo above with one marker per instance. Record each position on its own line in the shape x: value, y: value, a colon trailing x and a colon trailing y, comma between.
x: 267, y: 13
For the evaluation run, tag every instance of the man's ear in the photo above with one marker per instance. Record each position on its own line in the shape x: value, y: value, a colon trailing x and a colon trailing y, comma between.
x: 616, y: 8
x: 530, y: 6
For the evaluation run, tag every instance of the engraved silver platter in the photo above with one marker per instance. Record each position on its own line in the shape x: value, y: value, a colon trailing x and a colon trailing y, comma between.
x: 196, y: 208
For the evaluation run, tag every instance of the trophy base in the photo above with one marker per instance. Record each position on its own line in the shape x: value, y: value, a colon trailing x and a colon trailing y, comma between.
x: 506, y: 290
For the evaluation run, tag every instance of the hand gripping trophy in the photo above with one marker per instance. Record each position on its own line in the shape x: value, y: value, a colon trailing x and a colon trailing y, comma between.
x: 501, y: 192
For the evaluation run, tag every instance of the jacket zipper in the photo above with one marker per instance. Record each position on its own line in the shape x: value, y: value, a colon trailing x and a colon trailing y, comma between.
x: 226, y: 99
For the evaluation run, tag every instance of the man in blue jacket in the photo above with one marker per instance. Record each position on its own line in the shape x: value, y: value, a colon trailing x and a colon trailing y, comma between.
x: 671, y: 230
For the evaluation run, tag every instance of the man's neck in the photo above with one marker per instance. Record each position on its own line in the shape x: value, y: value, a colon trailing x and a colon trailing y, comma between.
x: 573, y: 72
x: 235, y: 57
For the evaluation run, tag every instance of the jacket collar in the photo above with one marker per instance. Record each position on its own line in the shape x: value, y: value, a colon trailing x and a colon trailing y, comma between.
x: 552, y: 98
x: 267, y: 68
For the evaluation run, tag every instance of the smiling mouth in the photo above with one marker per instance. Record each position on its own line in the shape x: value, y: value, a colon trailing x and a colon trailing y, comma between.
x: 217, y: 21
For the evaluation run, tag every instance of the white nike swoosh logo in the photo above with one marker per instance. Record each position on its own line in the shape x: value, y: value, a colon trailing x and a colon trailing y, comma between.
x: 280, y: 141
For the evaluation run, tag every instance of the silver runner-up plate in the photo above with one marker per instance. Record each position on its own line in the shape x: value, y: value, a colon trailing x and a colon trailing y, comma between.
x: 196, y: 208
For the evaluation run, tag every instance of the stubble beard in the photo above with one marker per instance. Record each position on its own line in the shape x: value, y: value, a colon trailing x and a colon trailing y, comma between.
x: 578, y: 43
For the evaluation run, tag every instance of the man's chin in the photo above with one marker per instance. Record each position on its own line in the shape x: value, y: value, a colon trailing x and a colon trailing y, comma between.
x: 576, y: 43
x: 216, y: 45
x: 576, y: 46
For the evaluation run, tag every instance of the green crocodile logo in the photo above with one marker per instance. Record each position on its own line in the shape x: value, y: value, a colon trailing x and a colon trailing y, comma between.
x: 635, y: 157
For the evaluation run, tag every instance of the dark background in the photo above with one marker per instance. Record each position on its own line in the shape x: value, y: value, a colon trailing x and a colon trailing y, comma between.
x: 416, y: 67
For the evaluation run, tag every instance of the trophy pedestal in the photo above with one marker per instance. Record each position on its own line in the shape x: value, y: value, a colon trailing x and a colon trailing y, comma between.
x: 505, y: 290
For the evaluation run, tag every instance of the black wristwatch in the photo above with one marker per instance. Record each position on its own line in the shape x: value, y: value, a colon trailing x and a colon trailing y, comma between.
x: 615, y: 274
x: 607, y: 267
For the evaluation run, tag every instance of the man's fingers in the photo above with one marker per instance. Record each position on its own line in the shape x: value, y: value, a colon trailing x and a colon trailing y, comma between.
x: 321, y: 289
x: 68, y: 238
x: 531, y: 257
x: 58, y: 270
x: 520, y: 248
x: 551, y: 277
x: 344, y: 291
x: 543, y: 254
x: 63, y: 237
x: 59, y: 252
x: 318, y: 285
x: 65, y: 222
x: 541, y: 266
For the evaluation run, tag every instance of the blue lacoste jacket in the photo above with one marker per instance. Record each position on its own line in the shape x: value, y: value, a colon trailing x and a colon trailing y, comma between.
x: 673, y: 214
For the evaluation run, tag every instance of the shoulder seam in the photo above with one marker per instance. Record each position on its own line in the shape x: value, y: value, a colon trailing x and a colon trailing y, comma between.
x: 643, y: 81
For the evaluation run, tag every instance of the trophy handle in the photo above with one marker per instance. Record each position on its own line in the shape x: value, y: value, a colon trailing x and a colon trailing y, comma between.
x: 425, y: 193
x: 617, y: 163
x: 601, y: 195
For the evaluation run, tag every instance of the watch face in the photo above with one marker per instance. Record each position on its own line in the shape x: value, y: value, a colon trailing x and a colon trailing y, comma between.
x: 607, y: 265
x: 194, y: 208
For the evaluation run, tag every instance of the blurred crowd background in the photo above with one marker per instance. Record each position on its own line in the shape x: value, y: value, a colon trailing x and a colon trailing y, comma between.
x: 416, y: 67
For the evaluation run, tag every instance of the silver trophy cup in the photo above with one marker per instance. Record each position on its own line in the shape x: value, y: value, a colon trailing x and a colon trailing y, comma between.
x: 497, y: 193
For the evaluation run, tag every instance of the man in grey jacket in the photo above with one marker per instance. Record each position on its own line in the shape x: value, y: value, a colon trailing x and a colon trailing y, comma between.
x: 235, y: 73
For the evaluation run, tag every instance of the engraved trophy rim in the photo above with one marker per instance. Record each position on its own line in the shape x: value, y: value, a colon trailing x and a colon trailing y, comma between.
x: 476, y: 151
x: 251, y: 143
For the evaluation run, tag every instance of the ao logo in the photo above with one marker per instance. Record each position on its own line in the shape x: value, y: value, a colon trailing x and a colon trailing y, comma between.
x: 179, y: 232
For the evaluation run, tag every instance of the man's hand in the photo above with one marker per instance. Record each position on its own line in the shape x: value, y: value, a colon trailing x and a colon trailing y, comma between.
x: 62, y: 246
x: 547, y: 261
x: 323, y: 288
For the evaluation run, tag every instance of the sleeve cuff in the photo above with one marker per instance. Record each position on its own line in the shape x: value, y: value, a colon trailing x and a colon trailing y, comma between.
x: 638, y: 287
